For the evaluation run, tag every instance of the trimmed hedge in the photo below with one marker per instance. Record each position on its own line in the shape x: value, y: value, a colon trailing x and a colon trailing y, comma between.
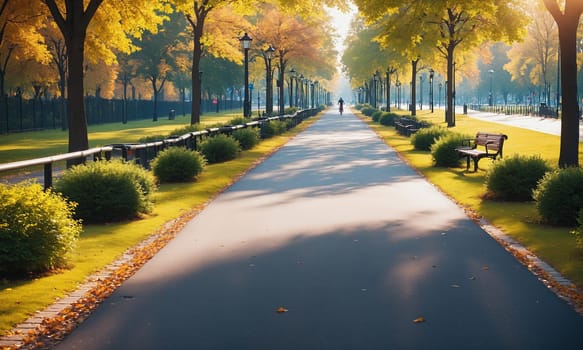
x: 247, y: 138
x: 220, y: 148
x: 108, y: 191
x: 177, y: 164
x: 425, y: 138
x: 515, y: 178
x: 37, y: 230
x: 559, y: 196
x: 443, y: 150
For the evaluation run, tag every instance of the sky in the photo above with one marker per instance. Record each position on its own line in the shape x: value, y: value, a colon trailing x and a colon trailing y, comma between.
x: 341, y: 22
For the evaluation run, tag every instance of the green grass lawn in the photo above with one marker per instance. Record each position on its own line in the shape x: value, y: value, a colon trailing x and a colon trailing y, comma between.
x: 99, y: 245
x: 554, y: 245
x: 30, y: 145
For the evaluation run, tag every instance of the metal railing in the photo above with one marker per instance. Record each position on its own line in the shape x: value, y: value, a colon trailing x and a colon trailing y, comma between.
x: 144, y: 153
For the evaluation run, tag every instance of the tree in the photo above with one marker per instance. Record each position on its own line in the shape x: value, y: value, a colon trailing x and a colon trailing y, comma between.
x: 449, y: 24
x: 115, y: 22
x: 155, y: 59
x: 294, y: 39
x: 567, y: 19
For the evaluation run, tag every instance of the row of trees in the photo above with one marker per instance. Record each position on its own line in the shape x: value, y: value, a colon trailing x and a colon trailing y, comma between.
x: 70, y: 47
x: 449, y: 36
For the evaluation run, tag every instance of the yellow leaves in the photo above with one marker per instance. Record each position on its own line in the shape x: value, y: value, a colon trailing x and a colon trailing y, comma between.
x: 419, y: 319
x: 281, y: 310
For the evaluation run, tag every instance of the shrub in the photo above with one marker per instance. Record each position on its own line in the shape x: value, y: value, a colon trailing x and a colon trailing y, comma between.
x: 290, y: 110
x: 272, y: 128
x: 376, y: 116
x: 238, y: 121
x: 559, y: 196
x: 443, y: 150
x: 219, y: 148
x: 516, y: 177
x: 187, y: 129
x: 425, y: 138
x: 108, y: 191
x: 368, y: 111
x: 177, y: 164
x: 388, y: 119
x: 152, y: 138
x: 578, y: 233
x: 247, y: 138
x: 37, y: 230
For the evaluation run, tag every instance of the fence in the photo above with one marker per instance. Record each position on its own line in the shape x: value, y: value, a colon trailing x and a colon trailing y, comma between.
x: 18, y: 114
x: 541, y: 110
x: 143, y: 153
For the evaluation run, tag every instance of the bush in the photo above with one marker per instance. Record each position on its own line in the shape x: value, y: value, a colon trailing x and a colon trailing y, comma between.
x: 37, y: 230
x: 187, y: 129
x: 177, y: 164
x: 559, y: 196
x: 220, y: 148
x: 376, y: 116
x: 423, y: 139
x: 272, y: 128
x: 443, y: 150
x: 108, y: 191
x: 152, y: 138
x: 247, y: 138
x: 515, y: 178
x: 387, y: 119
x: 578, y: 233
x: 290, y: 110
x: 368, y: 111
x: 238, y: 121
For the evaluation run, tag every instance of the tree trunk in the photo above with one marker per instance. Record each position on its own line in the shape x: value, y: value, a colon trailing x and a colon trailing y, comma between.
x: 196, y: 90
x: 450, y: 113
x: 569, y: 150
x: 413, y: 104
x: 78, y: 139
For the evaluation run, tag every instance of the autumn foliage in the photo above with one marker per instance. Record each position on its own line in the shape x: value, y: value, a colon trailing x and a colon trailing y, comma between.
x: 37, y: 230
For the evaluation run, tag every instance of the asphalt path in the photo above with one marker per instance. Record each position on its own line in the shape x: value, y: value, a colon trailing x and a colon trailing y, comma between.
x: 354, y: 244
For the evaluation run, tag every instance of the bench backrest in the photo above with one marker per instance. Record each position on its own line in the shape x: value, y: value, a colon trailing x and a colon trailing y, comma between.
x: 492, y: 142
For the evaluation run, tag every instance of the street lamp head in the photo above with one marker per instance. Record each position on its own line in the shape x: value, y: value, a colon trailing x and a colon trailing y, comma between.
x: 431, y: 73
x: 270, y: 52
x: 246, y: 41
x: 293, y: 72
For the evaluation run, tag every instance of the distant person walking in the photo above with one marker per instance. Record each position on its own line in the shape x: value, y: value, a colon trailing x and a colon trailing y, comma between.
x: 341, y: 104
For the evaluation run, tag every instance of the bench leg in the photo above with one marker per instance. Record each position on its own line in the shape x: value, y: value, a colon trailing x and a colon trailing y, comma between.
x: 476, y: 160
x: 468, y: 162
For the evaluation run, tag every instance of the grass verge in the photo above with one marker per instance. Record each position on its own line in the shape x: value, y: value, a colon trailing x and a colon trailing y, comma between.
x: 100, y: 245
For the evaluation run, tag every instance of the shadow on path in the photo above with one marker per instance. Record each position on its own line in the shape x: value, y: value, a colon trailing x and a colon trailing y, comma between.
x: 336, y: 229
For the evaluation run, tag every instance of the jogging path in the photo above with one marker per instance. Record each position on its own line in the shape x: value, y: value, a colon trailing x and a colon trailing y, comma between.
x: 353, y: 243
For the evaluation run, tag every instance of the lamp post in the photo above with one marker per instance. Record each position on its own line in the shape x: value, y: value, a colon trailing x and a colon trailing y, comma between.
x: 439, y: 95
x: 398, y: 94
x: 246, y: 41
x: 291, y: 86
x: 269, y: 52
x: 490, y: 96
x: 431, y: 75
x: 421, y: 92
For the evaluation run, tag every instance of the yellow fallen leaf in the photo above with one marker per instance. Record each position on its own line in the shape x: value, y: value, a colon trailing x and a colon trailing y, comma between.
x: 419, y: 320
x: 281, y: 310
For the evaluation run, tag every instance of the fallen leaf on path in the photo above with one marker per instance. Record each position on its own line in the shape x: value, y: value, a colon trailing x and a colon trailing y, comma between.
x: 419, y: 320
x: 455, y: 285
x: 485, y: 268
x: 281, y: 310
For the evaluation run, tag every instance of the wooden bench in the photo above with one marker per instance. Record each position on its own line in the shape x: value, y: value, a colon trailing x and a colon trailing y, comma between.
x: 407, y: 127
x: 492, y: 144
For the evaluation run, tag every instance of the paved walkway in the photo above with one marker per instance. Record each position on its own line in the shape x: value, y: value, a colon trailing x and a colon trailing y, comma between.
x: 336, y: 229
